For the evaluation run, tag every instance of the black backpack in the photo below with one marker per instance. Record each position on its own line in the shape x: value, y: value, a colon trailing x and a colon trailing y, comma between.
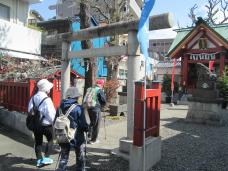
x: 33, y: 120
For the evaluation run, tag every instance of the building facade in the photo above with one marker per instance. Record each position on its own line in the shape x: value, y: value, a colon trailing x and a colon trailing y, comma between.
x: 17, y: 40
x: 158, y: 48
x: 15, y: 11
x: 34, y: 17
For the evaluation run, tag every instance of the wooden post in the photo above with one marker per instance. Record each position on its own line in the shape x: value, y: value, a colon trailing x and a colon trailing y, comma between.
x: 222, y: 63
x: 185, y: 70
x: 138, y: 114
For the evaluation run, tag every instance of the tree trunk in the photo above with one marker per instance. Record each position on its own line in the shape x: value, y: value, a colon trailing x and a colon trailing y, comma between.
x: 112, y: 68
x: 90, y: 63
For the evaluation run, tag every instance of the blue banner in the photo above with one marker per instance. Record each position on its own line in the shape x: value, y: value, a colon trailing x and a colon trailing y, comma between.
x: 143, y: 28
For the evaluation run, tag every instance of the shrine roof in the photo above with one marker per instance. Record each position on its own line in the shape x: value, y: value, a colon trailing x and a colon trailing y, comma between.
x: 221, y: 30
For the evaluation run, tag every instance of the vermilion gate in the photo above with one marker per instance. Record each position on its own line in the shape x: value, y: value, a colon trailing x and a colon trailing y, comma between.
x: 153, y: 96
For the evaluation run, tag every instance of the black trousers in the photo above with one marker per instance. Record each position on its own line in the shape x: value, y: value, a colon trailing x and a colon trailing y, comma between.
x: 47, y: 131
x: 95, y: 119
x: 64, y: 156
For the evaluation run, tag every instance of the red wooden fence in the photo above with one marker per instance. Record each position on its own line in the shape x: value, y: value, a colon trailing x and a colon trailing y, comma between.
x: 16, y: 95
x: 153, y: 98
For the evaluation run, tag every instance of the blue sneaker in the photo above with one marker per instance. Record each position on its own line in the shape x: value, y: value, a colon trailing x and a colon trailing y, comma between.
x: 46, y: 160
x: 39, y: 163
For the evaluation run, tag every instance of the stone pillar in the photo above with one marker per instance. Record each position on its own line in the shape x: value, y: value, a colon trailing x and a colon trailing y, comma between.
x: 134, y: 74
x: 65, y: 74
x: 133, y: 65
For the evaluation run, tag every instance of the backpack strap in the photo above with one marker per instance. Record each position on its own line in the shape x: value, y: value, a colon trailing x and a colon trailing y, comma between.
x: 39, y: 106
x: 39, y: 103
x: 70, y: 109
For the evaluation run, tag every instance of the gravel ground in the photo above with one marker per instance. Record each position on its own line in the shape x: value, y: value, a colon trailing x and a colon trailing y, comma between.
x: 193, y: 147
x: 185, y: 147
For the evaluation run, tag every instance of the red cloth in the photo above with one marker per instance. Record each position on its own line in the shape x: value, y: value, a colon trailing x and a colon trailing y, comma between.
x: 173, y: 74
x: 211, y: 63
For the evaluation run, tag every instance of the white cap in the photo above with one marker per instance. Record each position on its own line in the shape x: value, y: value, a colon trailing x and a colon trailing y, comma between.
x: 72, y: 92
x: 44, y: 85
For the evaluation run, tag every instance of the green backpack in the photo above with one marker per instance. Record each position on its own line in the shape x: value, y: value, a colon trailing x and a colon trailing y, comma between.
x: 90, y: 99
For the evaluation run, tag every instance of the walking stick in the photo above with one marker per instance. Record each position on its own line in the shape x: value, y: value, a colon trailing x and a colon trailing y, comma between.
x: 57, y: 161
x: 104, y: 126
x: 85, y: 151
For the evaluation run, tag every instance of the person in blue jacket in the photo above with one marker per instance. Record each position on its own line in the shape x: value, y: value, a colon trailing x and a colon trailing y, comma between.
x: 77, y: 120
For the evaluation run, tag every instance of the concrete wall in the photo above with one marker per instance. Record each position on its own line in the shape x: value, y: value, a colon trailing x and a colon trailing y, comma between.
x: 18, y: 10
x: 162, y: 71
x: 14, y: 120
x: 20, y: 38
x: 207, y: 113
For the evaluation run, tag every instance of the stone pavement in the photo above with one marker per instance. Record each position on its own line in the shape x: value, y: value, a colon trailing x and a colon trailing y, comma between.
x: 16, y: 152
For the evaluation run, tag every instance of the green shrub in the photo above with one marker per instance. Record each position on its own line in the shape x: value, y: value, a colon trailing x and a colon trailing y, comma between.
x: 166, y: 85
x: 223, y: 84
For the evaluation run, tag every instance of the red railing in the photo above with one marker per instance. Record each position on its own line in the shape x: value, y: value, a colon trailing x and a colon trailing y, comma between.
x: 15, y: 96
x: 153, y: 98
x: 56, y: 92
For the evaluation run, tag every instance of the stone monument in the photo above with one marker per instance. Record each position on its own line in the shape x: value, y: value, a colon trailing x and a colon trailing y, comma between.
x: 205, y: 106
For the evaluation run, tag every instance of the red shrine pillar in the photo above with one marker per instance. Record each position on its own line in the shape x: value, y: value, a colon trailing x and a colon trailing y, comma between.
x: 222, y: 63
x: 184, y: 70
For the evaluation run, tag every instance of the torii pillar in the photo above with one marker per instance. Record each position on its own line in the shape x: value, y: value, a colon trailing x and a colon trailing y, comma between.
x: 131, y: 50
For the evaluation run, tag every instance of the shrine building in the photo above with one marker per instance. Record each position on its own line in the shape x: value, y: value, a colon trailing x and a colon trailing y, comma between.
x: 201, y: 44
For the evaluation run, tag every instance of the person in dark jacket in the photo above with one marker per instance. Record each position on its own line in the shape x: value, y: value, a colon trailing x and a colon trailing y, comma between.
x: 77, y: 120
x: 95, y: 113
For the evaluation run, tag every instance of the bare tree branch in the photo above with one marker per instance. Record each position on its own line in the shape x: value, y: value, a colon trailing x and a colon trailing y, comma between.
x: 192, y: 14
x: 224, y: 6
x: 101, y: 12
x: 211, y: 10
x: 107, y: 4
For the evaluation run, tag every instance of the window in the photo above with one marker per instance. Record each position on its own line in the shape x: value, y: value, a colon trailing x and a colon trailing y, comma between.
x: 122, y: 74
x: 32, y: 21
x: 4, y: 12
x: 202, y: 43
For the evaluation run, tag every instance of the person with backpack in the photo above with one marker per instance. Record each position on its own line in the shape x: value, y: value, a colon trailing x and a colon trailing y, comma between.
x: 46, y: 114
x: 70, y: 110
x: 93, y: 101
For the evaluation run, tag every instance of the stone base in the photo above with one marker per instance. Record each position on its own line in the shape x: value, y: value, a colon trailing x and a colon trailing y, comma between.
x: 205, y: 113
x: 118, y: 153
x: 125, y: 145
x: 152, y: 156
x: 116, y: 110
x: 179, y: 102
x: 124, y: 148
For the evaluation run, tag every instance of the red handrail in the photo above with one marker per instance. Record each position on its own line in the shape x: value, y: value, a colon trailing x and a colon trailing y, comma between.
x: 153, y: 99
x: 16, y: 95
